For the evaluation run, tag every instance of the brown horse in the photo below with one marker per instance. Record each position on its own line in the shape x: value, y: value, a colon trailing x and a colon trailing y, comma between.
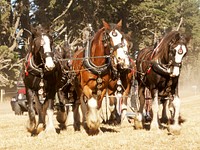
x: 120, y: 85
x: 93, y: 69
x: 158, y: 69
x: 41, y: 73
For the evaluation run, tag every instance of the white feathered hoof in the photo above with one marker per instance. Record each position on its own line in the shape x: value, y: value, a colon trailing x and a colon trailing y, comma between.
x: 40, y: 128
x: 174, y: 129
x: 138, y: 122
x: 138, y: 125
x: 93, y: 122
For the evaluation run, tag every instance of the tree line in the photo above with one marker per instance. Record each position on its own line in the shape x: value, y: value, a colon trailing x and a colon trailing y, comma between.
x: 144, y: 20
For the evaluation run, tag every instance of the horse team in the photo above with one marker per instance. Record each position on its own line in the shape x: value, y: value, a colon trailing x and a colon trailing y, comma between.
x: 102, y: 67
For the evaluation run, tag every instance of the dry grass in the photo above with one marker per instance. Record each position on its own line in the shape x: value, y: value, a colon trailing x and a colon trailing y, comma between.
x: 13, y: 134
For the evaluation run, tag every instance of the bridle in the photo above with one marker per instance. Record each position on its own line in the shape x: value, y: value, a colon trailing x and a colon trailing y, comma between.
x: 107, y: 42
x: 172, y: 53
x: 43, y: 55
x: 113, y: 48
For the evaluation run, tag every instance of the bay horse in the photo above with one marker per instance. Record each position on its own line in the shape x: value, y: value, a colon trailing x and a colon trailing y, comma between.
x: 158, y: 69
x: 40, y: 76
x: 92, y: 66
x: 120, y: 84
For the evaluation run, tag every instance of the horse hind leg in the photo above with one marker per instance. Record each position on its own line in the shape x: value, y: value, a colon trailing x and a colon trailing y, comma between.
x: 114, y: 116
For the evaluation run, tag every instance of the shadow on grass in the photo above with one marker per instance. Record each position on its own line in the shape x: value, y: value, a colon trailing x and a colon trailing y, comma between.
x: 104, y: 129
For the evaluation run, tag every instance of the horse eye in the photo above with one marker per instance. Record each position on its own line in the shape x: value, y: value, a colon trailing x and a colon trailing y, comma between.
x: 114, y: 33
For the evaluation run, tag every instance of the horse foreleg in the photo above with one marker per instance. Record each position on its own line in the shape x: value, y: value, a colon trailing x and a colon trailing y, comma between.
x: 77, y: 118
x: 124, y: 107
x: 175, y: 127
x: 165, y: 111
x: 41, y: 116
x: 138, y: 120
x: 114, y: 116
x: 49, y: 111
x: 83, y: 109
x: 92, y: 116
x: 31, y: 111
x: 154, y: 124
x: 61, y: 113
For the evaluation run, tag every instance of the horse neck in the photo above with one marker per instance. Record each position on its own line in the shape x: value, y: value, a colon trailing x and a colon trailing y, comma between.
x: 162, y: 55
x: 98, y: 50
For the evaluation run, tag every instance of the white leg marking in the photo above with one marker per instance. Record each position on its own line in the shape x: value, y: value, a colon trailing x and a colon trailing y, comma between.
x: 176, y: 103
x: 50, y: 125
x: 92, y: 103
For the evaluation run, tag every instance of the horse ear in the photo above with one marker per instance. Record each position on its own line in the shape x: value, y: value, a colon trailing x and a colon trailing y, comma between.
x: 106, y: 25
x: 187, y: 38
x: 33, y: 31
x: 119, y: 24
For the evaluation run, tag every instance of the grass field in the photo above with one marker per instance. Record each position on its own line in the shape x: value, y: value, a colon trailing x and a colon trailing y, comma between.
x: 13, y: 134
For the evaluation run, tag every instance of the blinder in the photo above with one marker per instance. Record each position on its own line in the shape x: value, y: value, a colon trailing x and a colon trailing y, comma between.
x: 107, y: 43
x: 172, y: 54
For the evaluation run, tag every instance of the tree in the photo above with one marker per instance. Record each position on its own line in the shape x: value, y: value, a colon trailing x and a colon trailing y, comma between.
x: 147, y: 20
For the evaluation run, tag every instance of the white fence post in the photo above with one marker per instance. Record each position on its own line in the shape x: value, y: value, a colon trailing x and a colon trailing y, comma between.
x: 2, y: 93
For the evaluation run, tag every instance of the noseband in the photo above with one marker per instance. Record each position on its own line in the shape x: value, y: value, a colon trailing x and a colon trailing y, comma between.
x: 107, y: 43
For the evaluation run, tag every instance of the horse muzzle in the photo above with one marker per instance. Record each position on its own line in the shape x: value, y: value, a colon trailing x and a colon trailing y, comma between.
x: 175, y: 71
x: 123, y: 63
x: 49, y: 65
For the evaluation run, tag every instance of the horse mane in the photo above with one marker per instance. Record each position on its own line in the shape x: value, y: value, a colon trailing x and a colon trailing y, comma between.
x: 96, y: 40
x: 163, y: 47
x: 98, y: 33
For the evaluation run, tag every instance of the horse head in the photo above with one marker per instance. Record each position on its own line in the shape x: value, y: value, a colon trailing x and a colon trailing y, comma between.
x: 178, y: 49
x: 41, y: 48
x: 171, y: 51
x: 118, y: 45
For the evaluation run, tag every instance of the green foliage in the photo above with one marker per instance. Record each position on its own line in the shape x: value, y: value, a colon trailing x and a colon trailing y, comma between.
x: 7, y: 71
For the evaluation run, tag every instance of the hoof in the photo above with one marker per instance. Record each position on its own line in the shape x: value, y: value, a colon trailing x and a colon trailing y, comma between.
x: 40, y: 128
x: 91, y: 131
x: 62, y: 126
x: 125, y: 122
x: 164, y: 120
x: 174, y: 129
x: 154, y: 127
x: 148, y: 118
x: 30, y: 127
x: 61, y: 117
x: 138, y: 122
x: 93, y: 126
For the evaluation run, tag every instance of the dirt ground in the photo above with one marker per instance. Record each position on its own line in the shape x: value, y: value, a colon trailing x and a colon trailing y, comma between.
x: 13, y: 134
